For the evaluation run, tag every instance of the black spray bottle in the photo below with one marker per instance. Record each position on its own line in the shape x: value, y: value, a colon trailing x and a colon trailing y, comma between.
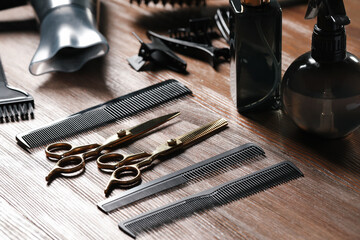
x: 255, y: 46
x: 321, y: 89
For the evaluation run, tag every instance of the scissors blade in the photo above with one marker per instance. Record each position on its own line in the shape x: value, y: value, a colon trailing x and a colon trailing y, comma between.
x: 151, y: 124
x: 203, y: 131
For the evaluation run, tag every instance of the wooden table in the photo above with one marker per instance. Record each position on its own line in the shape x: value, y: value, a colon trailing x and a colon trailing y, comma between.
x: 325, y: 204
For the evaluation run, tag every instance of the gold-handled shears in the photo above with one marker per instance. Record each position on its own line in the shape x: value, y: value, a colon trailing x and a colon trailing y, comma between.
x: 72, y: 159
x: 127, y: 171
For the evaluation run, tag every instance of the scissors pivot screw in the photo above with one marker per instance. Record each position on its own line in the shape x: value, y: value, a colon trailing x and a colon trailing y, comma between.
x: 121, y: 133
x: 171, y: 142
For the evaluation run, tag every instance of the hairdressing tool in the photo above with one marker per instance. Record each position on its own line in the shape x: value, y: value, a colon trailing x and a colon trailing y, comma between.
x: 125, y: 167
x: 222, y: 22
x: 69, y: 37
x: 205, y: 52
x: 173, y: 2
x: 15, y: 104
x: 199, y: 30
x: 70, y: 161
x: 103, y: 114
x: 158, y: 53
x: 194, y: 172
x: 217, y: 196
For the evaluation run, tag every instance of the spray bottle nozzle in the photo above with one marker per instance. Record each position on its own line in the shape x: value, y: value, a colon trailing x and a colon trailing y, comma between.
x: 329, y: 39
x: 331, y: 13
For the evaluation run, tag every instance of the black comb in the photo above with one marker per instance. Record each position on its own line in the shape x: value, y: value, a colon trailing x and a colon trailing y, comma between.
x: 196, y: 172
x: 105, y: 113
x: 220, y: 195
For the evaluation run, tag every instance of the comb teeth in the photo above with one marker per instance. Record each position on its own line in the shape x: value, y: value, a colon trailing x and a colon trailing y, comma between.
x: 221, y: 164
x: 105, y: 113
x: 203, y: 131
x: 173, y: 2
x: 17, y: 111
x: 237, y: 189
x: 257, y: 182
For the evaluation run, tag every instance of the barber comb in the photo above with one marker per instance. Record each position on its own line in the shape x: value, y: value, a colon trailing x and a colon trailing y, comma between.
x: 173, y: 2
x: 220, y: 195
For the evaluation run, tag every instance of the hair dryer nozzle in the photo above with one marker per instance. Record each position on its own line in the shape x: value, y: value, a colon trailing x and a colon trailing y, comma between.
x: 68, y: 39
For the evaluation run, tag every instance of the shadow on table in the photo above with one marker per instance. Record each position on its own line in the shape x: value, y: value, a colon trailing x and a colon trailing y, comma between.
x: 343, y: 152
x: 19, y: 26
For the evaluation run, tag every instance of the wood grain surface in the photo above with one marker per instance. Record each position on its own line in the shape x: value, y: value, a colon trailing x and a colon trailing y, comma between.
x: 325, y: 204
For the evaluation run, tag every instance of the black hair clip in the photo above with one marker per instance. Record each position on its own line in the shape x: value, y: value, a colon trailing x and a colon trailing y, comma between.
x: 206, y: 52
x: 156, y: 52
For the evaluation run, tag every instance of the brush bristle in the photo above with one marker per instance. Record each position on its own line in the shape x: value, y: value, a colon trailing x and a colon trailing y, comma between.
x: 17, y: 111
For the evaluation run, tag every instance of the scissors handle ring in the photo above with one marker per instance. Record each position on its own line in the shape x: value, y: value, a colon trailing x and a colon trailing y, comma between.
x: 124, y: 171
x: 62, y: 166
x: 103, y: 162
x: 67, y: 150
x: 51, y: 149
x: 117, y: 160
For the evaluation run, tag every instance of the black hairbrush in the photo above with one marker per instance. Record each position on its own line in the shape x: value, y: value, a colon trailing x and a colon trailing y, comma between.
x: 15, y: 104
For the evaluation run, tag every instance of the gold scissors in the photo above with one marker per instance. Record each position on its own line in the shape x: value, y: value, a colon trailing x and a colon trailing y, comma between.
x: 127, y: 171
x: 72, y: 159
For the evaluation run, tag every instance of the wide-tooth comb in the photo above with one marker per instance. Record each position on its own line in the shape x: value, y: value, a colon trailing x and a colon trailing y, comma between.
x: 220, y: 195
x: 172, y: 2
x: 195, y: 172
x: 15, y: 104
x: 105, y: 113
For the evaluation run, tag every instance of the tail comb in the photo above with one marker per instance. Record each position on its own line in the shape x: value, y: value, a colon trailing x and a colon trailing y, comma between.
x: 15, y: 104
x: 220, y: 195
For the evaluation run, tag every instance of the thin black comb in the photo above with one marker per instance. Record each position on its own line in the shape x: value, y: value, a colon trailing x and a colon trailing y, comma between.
x: 220, y: 195
x: 105, y: 113
x: 211, y: 166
